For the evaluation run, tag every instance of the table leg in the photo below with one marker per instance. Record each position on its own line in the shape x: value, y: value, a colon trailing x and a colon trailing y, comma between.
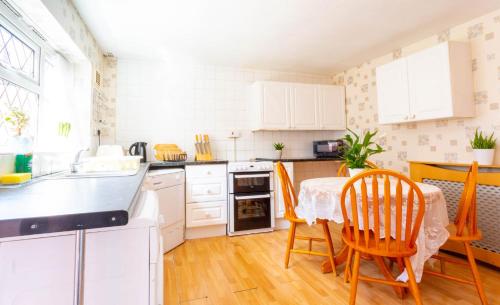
x: 340, y: 258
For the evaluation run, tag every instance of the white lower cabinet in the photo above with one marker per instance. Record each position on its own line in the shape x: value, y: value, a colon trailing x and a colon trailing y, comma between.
x: 38, y: 271
x: 206, y: 214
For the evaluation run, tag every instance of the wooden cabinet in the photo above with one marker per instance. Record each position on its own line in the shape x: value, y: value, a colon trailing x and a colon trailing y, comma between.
x: 279, y: 203
x: 38, y: 270
x: 295, y: 106
x: 435, y: 83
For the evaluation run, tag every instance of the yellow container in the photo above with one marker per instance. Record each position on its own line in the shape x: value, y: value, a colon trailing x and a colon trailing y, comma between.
x: 15, y: 178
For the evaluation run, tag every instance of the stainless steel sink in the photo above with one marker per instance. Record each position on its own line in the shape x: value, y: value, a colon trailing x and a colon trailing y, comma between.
x: 70, y: 175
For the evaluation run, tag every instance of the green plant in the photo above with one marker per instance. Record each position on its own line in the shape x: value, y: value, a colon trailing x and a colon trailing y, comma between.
x: 481, y: 141
x: 17, y: 119
x: 278, y: 146
x: 357, y: 152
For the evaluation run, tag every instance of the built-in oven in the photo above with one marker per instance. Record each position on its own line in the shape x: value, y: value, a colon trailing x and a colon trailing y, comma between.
x: 251, y: 200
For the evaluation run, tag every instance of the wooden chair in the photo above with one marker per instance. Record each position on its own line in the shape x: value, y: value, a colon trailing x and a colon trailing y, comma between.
x: 362, y: 240
x: 342, y: 172
x: 464, y: 229
x: 290, y: 199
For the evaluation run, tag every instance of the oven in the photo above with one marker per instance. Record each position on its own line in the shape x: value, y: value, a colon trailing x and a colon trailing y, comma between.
x: 251, y: 200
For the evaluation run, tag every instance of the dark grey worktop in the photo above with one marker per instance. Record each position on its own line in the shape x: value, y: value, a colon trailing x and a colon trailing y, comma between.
x: 298, y: 159
x: 182, y: 164
x: 64, y: 204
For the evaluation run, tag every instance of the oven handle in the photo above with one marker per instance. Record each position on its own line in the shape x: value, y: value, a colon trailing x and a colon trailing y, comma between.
x: 251, y: 176
x: 252, y: 197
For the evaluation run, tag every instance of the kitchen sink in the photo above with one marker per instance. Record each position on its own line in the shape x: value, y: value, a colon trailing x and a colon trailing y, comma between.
x: 70, y: 175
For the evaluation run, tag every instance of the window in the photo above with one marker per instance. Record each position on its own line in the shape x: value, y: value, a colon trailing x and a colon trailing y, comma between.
x: 19, y: 79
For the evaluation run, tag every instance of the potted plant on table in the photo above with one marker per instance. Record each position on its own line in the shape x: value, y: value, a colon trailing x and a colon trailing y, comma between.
x: 483, y: 147
x: 357, y: 151
x: 278, y: 148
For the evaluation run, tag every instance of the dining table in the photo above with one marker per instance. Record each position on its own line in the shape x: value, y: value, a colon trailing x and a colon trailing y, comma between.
x: 319, y: 198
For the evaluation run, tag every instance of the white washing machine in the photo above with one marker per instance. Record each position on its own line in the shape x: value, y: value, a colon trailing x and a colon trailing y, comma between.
x: 169, y: 185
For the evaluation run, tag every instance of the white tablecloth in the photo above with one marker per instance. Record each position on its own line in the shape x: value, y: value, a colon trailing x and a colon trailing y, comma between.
x: 320, y: 198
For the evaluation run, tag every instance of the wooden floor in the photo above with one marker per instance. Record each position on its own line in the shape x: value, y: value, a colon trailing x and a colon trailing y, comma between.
x: 249, y: 270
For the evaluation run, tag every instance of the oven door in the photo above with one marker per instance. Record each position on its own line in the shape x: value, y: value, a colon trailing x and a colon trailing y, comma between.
x: 251, y: 212
x: 260, y: 182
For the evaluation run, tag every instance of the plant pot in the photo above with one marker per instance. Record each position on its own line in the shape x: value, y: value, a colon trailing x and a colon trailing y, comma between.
x: 484, y: 156
x: 278, y: 154
x: 356, y: 171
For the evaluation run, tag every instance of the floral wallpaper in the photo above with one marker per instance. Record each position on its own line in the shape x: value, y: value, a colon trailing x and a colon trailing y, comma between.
x: 442, y: 140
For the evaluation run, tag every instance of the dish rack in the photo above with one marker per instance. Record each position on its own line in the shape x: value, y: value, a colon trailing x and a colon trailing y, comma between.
x: 169, y: 152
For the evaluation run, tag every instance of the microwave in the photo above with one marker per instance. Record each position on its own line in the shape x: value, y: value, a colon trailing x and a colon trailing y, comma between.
x: 328, y: 148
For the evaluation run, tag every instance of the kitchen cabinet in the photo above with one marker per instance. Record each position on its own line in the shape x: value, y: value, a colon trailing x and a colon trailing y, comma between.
x: 38, y: 270
x: 435, y: 83
x: 296, y: 106
x: 304, y: 107
x: 206, y: 198
x: 331, y: 107
x: 279, y: 203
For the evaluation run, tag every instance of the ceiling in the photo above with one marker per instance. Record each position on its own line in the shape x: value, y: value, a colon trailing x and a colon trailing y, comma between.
x: 317, y: 36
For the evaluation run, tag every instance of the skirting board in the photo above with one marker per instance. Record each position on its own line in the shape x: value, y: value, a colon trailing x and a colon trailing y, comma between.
x: 281, y: 224
x: 204, y: 232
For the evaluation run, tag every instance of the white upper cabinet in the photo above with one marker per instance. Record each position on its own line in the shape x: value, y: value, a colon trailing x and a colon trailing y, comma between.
x: 435, y: 83
x: 295, y: 106
x: 303, y: 106
x: 331, y: 109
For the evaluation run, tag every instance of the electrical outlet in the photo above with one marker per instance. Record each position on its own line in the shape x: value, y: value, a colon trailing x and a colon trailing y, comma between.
x: 234, y: 134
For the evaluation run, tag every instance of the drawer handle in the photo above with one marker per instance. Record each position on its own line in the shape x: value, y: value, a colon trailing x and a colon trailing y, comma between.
x: 157, y: 183
x: 209, y: 173
x: 207, y: 215
x: 209, y: 191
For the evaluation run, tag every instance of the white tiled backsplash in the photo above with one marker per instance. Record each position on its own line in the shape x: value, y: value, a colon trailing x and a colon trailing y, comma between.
x: 164, y: 102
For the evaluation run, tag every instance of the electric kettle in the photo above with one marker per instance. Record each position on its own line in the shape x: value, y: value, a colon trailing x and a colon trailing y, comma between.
x: 138, y: 149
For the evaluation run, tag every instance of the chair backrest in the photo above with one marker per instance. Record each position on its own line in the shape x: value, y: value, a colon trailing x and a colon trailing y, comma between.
x: 467, y: 206
x: 342, y: 171
x: 382, y: 210
x: 289, y: 195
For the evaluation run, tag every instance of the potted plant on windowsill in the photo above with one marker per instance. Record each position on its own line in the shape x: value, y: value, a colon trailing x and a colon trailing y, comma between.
x: 483, y: 147
x: 357, y: 151
x: 21, y: 145
x: 278, y: 149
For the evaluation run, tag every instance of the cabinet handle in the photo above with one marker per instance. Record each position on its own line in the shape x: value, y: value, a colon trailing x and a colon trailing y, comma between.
x: 209, y: 173
x: 406, y: 117
x: 412, y: 116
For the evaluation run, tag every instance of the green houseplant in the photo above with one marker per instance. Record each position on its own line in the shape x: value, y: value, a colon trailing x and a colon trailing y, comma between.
x: 17, y: 120
x: 358, y: 150
x: 483, y: 147
x: 278, y: 148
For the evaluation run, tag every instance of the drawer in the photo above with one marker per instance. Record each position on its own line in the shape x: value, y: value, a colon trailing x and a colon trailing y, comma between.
x: 206, y: 171
x: 206, y: 214
x: 206, y: 189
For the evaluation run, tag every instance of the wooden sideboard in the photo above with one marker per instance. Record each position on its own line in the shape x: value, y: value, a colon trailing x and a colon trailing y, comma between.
x: 449, y: 177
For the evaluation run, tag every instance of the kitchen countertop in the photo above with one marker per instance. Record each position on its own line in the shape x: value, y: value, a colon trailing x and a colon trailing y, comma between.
x: 181, y: 164
x: 51, y: 204
x: 307, y: 159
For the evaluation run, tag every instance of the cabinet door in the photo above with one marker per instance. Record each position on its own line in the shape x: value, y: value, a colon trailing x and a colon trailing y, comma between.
x: 429, y: 81
x: 172, y: 204
x: 275, y: 111
x: 332, y: 107
x: 303, y: 106
x: 279, y: 203
x: 38, y: 271
x: 117, y: 267
x: 392, y: 92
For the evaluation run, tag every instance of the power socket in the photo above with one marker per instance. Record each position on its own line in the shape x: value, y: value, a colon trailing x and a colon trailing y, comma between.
x: 233, y: 134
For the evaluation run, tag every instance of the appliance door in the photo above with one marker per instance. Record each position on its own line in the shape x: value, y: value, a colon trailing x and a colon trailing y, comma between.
x: 251, y: 212
x: 257, y: 182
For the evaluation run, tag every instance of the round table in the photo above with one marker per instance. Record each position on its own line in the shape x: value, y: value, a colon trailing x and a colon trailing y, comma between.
x: 320, y: 199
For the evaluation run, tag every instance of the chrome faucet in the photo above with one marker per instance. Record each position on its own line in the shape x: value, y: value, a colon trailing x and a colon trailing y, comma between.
x: 76, y: 163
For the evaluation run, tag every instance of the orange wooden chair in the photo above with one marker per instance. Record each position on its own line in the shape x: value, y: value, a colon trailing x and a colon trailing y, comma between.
x: 342, y: 171
x: 290, y: 199
x: 377, y: 242
x: 464, y: 229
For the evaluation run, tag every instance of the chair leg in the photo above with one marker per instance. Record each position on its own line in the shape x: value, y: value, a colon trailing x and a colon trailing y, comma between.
x: 329, y: 246
x: 412, y: 282
x: 475, y: 273
x: 354, y: 279
x: 290, y: 242
x: 347, y: 272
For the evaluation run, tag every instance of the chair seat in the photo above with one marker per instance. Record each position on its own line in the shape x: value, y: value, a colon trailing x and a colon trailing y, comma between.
x: 380, y: 250
x: 452, y: 229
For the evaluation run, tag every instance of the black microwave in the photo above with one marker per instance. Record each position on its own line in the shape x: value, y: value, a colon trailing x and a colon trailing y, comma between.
x: 328, y: 148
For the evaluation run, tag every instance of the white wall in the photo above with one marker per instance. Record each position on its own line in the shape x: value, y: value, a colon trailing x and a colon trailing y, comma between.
x: 166, y: 102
